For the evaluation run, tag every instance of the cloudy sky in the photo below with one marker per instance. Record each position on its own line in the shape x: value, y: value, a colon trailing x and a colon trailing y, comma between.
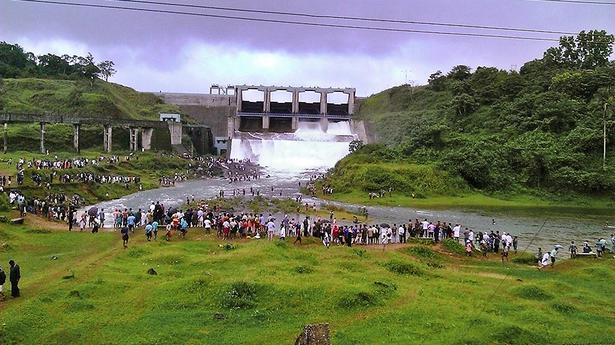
x: 181, y: 53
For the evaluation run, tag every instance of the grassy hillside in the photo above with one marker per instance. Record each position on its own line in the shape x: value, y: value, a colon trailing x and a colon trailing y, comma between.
x: 77, y: 97
x: 537, y: 132
x: 264, y: 293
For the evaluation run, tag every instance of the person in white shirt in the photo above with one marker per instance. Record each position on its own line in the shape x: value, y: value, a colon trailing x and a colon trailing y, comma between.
x: 282, y: 233
x: 207, y: 224
x: 471, y: 236
x: 425, y: 224
x: 270, y: 230
x: 402, y: 234
x: 456, y: 231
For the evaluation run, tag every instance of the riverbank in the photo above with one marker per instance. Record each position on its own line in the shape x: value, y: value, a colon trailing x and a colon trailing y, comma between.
x: 475, y: 202
x: 259, y: 292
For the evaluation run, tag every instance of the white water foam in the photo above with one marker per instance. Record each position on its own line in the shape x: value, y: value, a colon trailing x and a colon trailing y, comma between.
x: 309, y: 148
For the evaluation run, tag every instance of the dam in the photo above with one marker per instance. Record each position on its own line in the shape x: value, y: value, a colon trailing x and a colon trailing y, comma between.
x: 280, y: 127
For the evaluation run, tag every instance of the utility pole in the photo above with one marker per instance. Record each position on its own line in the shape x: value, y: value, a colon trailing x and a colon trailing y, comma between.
x: 604, y: 137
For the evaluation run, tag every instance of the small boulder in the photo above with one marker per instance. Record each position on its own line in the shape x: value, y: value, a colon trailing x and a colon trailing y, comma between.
x: 152, y: 272
x: 317, y: 334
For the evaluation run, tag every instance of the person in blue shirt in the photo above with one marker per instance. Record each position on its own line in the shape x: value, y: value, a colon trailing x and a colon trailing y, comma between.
x: 148, y: 232
x: 183, y: 227
x: 155, y: 229
x: 130, y: 221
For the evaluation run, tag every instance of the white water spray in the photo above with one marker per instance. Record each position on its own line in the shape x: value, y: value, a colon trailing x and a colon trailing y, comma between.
x: 309, y: 148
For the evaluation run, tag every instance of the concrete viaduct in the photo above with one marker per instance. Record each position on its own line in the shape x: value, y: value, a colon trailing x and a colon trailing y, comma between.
x: 143, y: 127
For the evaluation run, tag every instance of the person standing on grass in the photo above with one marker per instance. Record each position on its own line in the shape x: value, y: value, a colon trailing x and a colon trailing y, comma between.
x: 148, y: 232
x: 14, y: 277
x: 505, y: 250
x: 553, y: 254
x: 2, y: 281
x: 130, y: 221
x: 456, y: 231
x: 71, y: 218
x: 298, y: 238
x: 124, y: 233
x: 270, y: 229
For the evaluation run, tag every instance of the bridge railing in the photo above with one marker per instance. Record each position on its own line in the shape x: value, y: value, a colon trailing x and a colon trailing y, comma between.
x: 300, y: 115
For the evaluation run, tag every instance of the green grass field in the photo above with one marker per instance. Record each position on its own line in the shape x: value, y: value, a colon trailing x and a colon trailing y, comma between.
x: 264, y: 293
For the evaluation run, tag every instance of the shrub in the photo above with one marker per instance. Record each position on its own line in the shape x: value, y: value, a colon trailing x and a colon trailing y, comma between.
x: 426, y: 255
x: 532, y: 292
x: 4, y: 202
x: 563, y: 308
x: 525, y: 259
x: 240, y: 295
x: 304, y: 269
x: 423, y: 252
x: 452, y: 246
x: 228, y: 246
x: 137, y: 252
x: 405, y: 268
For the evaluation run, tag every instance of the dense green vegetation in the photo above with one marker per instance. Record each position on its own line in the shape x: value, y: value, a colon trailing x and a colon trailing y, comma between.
x: 15, y: 62
x: 537, y: 131
x: 257, y: 292
x: 70, y: 85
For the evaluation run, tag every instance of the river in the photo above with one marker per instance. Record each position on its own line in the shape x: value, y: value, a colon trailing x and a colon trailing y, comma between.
x: 557, y: 229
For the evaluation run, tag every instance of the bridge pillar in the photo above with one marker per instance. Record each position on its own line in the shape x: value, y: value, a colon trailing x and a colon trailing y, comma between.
x: 76, y: 133
x: 295, y: 106
x: 146, y: 138
x: 134, y: 138
x: 175, y: 128
x: 239, y: 97
x: 107, y: 138
x: 295, y: 123
x: 43, y: 125
x: 265, y: 121
x: 323, y: 102
x: 267, y: 101
x: 351, y: 103
x: 324, y: 124
x: 5, y: 135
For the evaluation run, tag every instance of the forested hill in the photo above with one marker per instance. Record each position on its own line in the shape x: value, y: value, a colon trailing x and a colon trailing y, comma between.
x: 66, y: 84
x: 538, y: 128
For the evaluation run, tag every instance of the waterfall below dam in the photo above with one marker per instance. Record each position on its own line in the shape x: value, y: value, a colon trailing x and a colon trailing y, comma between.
x: 308, y: 148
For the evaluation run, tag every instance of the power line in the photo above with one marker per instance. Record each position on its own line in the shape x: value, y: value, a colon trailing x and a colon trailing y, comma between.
x: 300, y: 23
x: 350, y: 18
x: 578, y: 2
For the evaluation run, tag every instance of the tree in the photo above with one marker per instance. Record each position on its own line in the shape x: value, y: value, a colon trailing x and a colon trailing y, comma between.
x: 464, y: 104
x: 460, y: 72
x: 587, y: 50
x: 437, y: 81
x: 106, y: 69
x: 91, y: 72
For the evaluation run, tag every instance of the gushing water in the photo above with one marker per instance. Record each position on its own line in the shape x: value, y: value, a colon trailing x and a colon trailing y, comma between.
x: 309, y: 148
